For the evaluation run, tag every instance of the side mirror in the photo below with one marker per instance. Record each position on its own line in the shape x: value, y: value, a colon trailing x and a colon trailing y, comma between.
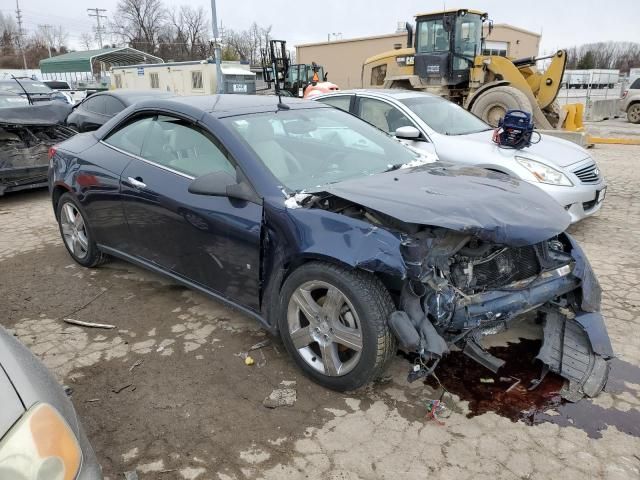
x: 222, y: 184
x: 325, y: 76
x: 408, y: 133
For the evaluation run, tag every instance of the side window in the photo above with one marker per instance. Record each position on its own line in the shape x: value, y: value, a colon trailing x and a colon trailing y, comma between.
x: 176, y: 144
x: 130, y: 136
x: 339, y: 101
x: 112, y: 106
x: 635, y: 85
x: 154, y: 80
x: 382, y: 115
x: 378, y: 74
x: 94, y: 104
x: 196, y: 80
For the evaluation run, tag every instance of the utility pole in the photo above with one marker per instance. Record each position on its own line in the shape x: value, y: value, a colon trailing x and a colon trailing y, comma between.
x: 47, y: 33
x: 20, y: 33
x: 97, y: 13
x: 216, y: 50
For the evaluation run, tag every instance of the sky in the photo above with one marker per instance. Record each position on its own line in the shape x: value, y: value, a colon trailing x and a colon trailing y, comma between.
x: 562, y: 23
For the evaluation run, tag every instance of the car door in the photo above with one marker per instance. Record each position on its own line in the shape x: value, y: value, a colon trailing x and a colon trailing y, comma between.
x: 213, y: 242
x: 91, y: 114
x: 388, y: 118
x: 100, y: 183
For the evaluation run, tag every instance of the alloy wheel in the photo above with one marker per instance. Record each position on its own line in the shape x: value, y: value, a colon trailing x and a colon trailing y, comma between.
x: 74, y: 230
x: 325, y: 328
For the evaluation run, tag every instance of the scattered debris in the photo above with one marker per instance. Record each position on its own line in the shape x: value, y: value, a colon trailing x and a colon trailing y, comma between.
x: 121, y: 388
x: 132, y: 475
x: 137, y: 364
x: 514, y: 384
x: 262, y: 344
x: 263, y: 360
x: 88, y: 324
x: 68, y: 391
x: 487, y: 380
x: 249, y: 360
x: 436, y: 410
x: 284, y: 396
x: 92, y: 400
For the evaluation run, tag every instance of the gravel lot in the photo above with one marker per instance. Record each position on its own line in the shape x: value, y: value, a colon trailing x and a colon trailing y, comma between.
x: 168, y: 393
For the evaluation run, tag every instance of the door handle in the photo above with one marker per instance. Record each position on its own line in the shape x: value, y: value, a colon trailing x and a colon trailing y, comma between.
x: 137, y: 183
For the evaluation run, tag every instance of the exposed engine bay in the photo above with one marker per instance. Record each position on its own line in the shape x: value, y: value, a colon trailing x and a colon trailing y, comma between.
x: 459, y: 289
x: 26, y: 134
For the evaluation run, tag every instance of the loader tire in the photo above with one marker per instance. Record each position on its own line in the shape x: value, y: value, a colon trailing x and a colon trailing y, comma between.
x: 491, y: 105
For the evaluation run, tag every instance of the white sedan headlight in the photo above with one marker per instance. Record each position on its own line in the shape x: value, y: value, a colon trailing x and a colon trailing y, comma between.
x: 40, y: 446
x: 544, y: 173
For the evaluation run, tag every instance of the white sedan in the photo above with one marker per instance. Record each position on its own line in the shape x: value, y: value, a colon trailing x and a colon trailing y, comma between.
x: 563, y: 169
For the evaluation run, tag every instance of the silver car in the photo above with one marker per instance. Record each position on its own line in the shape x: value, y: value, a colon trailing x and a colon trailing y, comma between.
x: 630, y: 102
x: 563, y: 169
x: 40, y: 435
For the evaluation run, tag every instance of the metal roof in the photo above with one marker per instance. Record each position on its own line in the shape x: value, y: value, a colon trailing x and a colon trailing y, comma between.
x: 82, y: 61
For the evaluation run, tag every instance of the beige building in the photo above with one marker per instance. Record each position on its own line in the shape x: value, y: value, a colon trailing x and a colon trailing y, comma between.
x: 343, y: 59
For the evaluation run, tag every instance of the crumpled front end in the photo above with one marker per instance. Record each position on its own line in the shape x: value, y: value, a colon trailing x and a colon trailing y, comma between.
x: 460, y: 289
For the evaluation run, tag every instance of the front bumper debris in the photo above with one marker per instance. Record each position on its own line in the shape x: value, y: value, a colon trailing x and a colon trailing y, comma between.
x: 575, y: 353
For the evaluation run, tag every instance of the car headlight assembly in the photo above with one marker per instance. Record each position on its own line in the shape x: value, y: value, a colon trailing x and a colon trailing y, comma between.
x: 40, y: 446
x: 544, y: 173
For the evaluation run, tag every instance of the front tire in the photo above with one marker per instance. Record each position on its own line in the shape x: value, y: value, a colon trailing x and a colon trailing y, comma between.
x: 333, y: 322
x: 492, y: 105
x: 633, y: 113
x: 76, y: 233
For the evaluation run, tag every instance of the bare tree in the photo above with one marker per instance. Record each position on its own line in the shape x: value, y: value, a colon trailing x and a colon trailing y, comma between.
x: 86, y: 40
x: 55, y: 36
x: 249, y: 44
x: 606, y: 55
x: 139, y: 23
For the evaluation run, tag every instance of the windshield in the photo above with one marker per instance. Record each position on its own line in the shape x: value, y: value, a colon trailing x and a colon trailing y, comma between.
x: 31, y: 86
x: 444, y: 116
x: 305, y: 149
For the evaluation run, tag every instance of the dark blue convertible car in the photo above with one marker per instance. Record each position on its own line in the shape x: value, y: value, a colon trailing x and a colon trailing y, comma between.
x: 331, y: 233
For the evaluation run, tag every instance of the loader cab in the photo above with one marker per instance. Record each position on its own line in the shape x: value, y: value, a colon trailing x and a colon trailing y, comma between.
x: 446, y: 44
x: 301, y: 75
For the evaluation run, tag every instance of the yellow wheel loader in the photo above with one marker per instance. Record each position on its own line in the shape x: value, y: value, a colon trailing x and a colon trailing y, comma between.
x: 446, y: 59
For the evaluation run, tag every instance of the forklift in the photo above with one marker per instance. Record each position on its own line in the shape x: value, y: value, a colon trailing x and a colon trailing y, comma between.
x: 297, y: 80
x: 446, y: 58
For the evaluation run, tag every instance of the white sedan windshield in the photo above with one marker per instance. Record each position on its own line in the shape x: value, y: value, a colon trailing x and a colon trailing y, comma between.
x: 306, y: 149
x: 444, y: 116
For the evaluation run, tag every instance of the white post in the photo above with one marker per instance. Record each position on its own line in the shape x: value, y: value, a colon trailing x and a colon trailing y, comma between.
x: 217, y: 51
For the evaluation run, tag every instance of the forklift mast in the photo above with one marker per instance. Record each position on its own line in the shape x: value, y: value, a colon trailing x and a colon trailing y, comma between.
x: 275, y: 65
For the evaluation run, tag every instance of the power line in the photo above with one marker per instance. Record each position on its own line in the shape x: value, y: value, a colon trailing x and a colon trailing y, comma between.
x: 20, y: 33
x: 98, y: 16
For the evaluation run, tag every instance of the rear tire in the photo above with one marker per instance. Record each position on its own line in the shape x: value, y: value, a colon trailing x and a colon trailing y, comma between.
x: 314, y: 332
x: 491, y: 105
x: 76, y: 233
x: 633, y: 113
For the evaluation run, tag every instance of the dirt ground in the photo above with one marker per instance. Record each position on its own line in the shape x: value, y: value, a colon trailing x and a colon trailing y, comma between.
x: 167, y: 392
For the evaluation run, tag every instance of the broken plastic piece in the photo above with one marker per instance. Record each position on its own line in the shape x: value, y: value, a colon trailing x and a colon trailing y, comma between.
x: 474, y: 351
x: 249, y: 360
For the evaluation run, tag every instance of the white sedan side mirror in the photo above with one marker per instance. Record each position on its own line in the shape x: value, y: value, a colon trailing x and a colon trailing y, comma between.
x: 408, y: 133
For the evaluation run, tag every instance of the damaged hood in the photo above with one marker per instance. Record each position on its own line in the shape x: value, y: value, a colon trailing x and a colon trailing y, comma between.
x: 42, y: 113
x: 491, y: 206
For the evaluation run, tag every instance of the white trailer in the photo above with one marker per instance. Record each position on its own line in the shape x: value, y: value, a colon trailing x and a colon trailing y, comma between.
x: 593, y: 78
x: 185, y: 78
